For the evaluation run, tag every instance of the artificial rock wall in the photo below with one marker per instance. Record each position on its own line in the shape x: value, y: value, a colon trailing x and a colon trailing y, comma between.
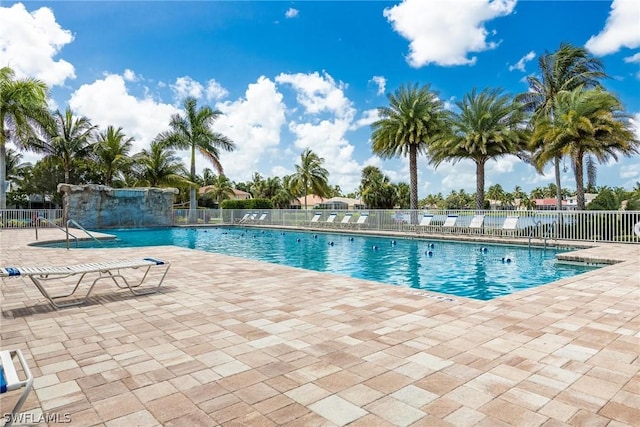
x: 100, y: 206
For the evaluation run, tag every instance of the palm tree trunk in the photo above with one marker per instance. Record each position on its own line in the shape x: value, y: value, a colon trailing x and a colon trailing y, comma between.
x: 480, y: 184
x: 413, y: 178
x: 556, y: 166
x: 193, y: 202
x: 3, y: 171
x: 579, y: 173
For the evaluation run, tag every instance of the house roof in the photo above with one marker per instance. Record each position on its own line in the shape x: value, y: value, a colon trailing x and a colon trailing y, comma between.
x: 312, y: 200
x: 237, y: 192
x: 548, y: 202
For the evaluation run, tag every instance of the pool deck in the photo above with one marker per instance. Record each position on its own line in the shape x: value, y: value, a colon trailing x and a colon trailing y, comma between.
x: 234, y: 342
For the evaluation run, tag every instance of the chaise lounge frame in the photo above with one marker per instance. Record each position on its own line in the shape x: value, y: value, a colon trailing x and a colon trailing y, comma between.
x: 40, y: 276
x: 11, y: 381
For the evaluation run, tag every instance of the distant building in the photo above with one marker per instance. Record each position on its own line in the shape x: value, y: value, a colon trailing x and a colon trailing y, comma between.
x: 312, y: 201
x: 342, y: 203
x: 237, y: 194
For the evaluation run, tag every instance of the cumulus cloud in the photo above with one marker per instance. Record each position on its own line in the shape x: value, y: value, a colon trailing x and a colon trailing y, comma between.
x: 29, y: 42
x: 215, y: 91
x: 108, y: 102
x: 620, y: 30
x: 319, y: 93
x: 129, y: 75
x: 633, y: 58
x: 520, y: 65
x: 291, y: 13
x: 635, y: 122
x: 445, y: 32
x: 367, y: 118
x: 380, y: 82
x: 186, y: 86
x: 253, y: 123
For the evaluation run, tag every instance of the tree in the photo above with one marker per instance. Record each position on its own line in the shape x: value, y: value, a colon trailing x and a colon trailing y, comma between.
x: 159, y: 167
x: 488, y: 126
x: 286, y: 194
x: 495, y: 192
x: 413, y: 120
x: 564, y: 70
x: 377, y: 190
x: 112, y: 152
x: 193, y: 132
x: 403, y: 195
x: 23, y: 116
x: 221, y: 189
x: 70, y: 139
x: 310, y: 175
x: 586, y: 122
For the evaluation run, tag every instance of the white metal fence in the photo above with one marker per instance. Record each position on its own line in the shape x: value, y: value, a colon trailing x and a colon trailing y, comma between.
x: 594, y: 226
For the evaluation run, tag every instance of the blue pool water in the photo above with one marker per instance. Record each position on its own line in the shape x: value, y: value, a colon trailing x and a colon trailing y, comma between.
x: 454, y: 268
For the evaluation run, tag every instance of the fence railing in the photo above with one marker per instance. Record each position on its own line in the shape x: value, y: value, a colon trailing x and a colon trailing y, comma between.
x: 593, y: 226
x: 29, y: 218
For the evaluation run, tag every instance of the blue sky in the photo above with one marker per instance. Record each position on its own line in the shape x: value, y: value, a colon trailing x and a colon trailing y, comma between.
x: 292, y: 75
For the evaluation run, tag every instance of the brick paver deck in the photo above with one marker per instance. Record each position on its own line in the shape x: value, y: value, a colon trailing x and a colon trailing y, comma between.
x: 233, y: 342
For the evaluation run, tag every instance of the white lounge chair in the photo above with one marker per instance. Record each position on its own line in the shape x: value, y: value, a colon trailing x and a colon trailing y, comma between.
x: 362, y: 219
x: 10, y: 380
x: 450, y: 222
x: 476, y: 222
x: 244, y: 218
x: 315, y: 219
x: 346, y: 219
x: 331, y: 219
x: 113, y: 270
x: 510, y: 225
x: 425, y: 222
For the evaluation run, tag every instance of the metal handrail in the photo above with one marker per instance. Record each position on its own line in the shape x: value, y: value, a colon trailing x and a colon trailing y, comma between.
x: 70, y: 221
x: 55, y: 226
x: 535, y: 226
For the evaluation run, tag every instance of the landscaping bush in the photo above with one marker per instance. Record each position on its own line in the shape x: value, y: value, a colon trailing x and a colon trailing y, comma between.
x: 247, y: 204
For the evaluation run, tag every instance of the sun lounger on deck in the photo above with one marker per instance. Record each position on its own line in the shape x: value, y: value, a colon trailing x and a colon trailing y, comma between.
x: 362, y: 219
x: 10, y: 380
x: 345, y: 220
x: 450, y: 222
x: 94, y: 272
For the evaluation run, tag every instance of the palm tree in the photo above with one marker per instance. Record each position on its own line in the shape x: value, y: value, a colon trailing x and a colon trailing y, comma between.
x: 586, y: 122
x: 311, y: 176
x: 221, y: 188
x: 112, y: 151
x: 495, y: 192
x: 488, y: 126
x: 564, y: 70
x: 286, y: 194
x: 160, y: 167
x: 23, y: 116
x: 377, y: 190
x: 70, y: 138
x: 193, y: 132
x: 414, y: 118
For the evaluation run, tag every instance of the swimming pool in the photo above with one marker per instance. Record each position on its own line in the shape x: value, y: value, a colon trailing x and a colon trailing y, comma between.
x: 474, y: 270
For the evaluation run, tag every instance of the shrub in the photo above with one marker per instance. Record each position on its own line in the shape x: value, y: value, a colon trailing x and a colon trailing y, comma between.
x: 247, y: 204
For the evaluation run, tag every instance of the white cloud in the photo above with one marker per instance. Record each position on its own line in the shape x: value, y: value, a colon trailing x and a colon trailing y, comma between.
x: 29, y: 42
x: 445, y: 32
x: 186, y: 86
x: 633, y: 58
x: 381, y: 82
x: 142, y: 119
x: 319, y: 93
x: 215, y: 91
x: 520, y: 65
x: 129, y: 75
x: 291, y: 13
x: 620, y: 30
x: 502, y: 165
x: 635, y: 122
x: 462, y: 175
x: 253, y: 123
x: 368, y: 117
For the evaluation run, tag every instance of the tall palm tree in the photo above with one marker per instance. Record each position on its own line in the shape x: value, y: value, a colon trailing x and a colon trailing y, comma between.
x: 23, y: 116
x: 286, y: 194
x: 413, y: 119
x: 563, y: 70
x: 310, y: 175
x: 70, y: 138
x: 159, y: 166
x: 193, y: 132
x: 112, y: 151
x: 586, y: 122
x: 488, y: 126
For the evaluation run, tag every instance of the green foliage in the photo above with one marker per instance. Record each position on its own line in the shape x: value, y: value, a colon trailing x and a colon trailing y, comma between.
x: 606, y: 200
x: 247, y: 204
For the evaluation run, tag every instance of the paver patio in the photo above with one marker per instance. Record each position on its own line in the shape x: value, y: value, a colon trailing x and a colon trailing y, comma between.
x: 229, y: 341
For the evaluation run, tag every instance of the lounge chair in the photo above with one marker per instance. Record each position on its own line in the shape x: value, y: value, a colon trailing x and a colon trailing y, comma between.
x: 315, y: 219
x: 510, y: 225
x: 330, y: 219
x: 425, y: 222
x: 362, y: 219
x: 10, y: 380
x: 113, y: 270
x: 450, y: 222
x: 346, y: 219
x: 262, y: 217
x: 476, y: 222
x: 244, y: 218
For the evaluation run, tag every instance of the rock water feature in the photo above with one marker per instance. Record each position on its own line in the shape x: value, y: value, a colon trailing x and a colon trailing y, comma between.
x: 100, y: 206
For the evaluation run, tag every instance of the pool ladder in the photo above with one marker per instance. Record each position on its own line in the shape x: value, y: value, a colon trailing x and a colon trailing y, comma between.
x: 65, y: 230
x: 81, y: 228
x: 554, y: 224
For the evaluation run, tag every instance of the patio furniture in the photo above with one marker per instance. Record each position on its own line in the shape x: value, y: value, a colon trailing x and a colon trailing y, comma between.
x: 10, y: 379
x: 113, y: 270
